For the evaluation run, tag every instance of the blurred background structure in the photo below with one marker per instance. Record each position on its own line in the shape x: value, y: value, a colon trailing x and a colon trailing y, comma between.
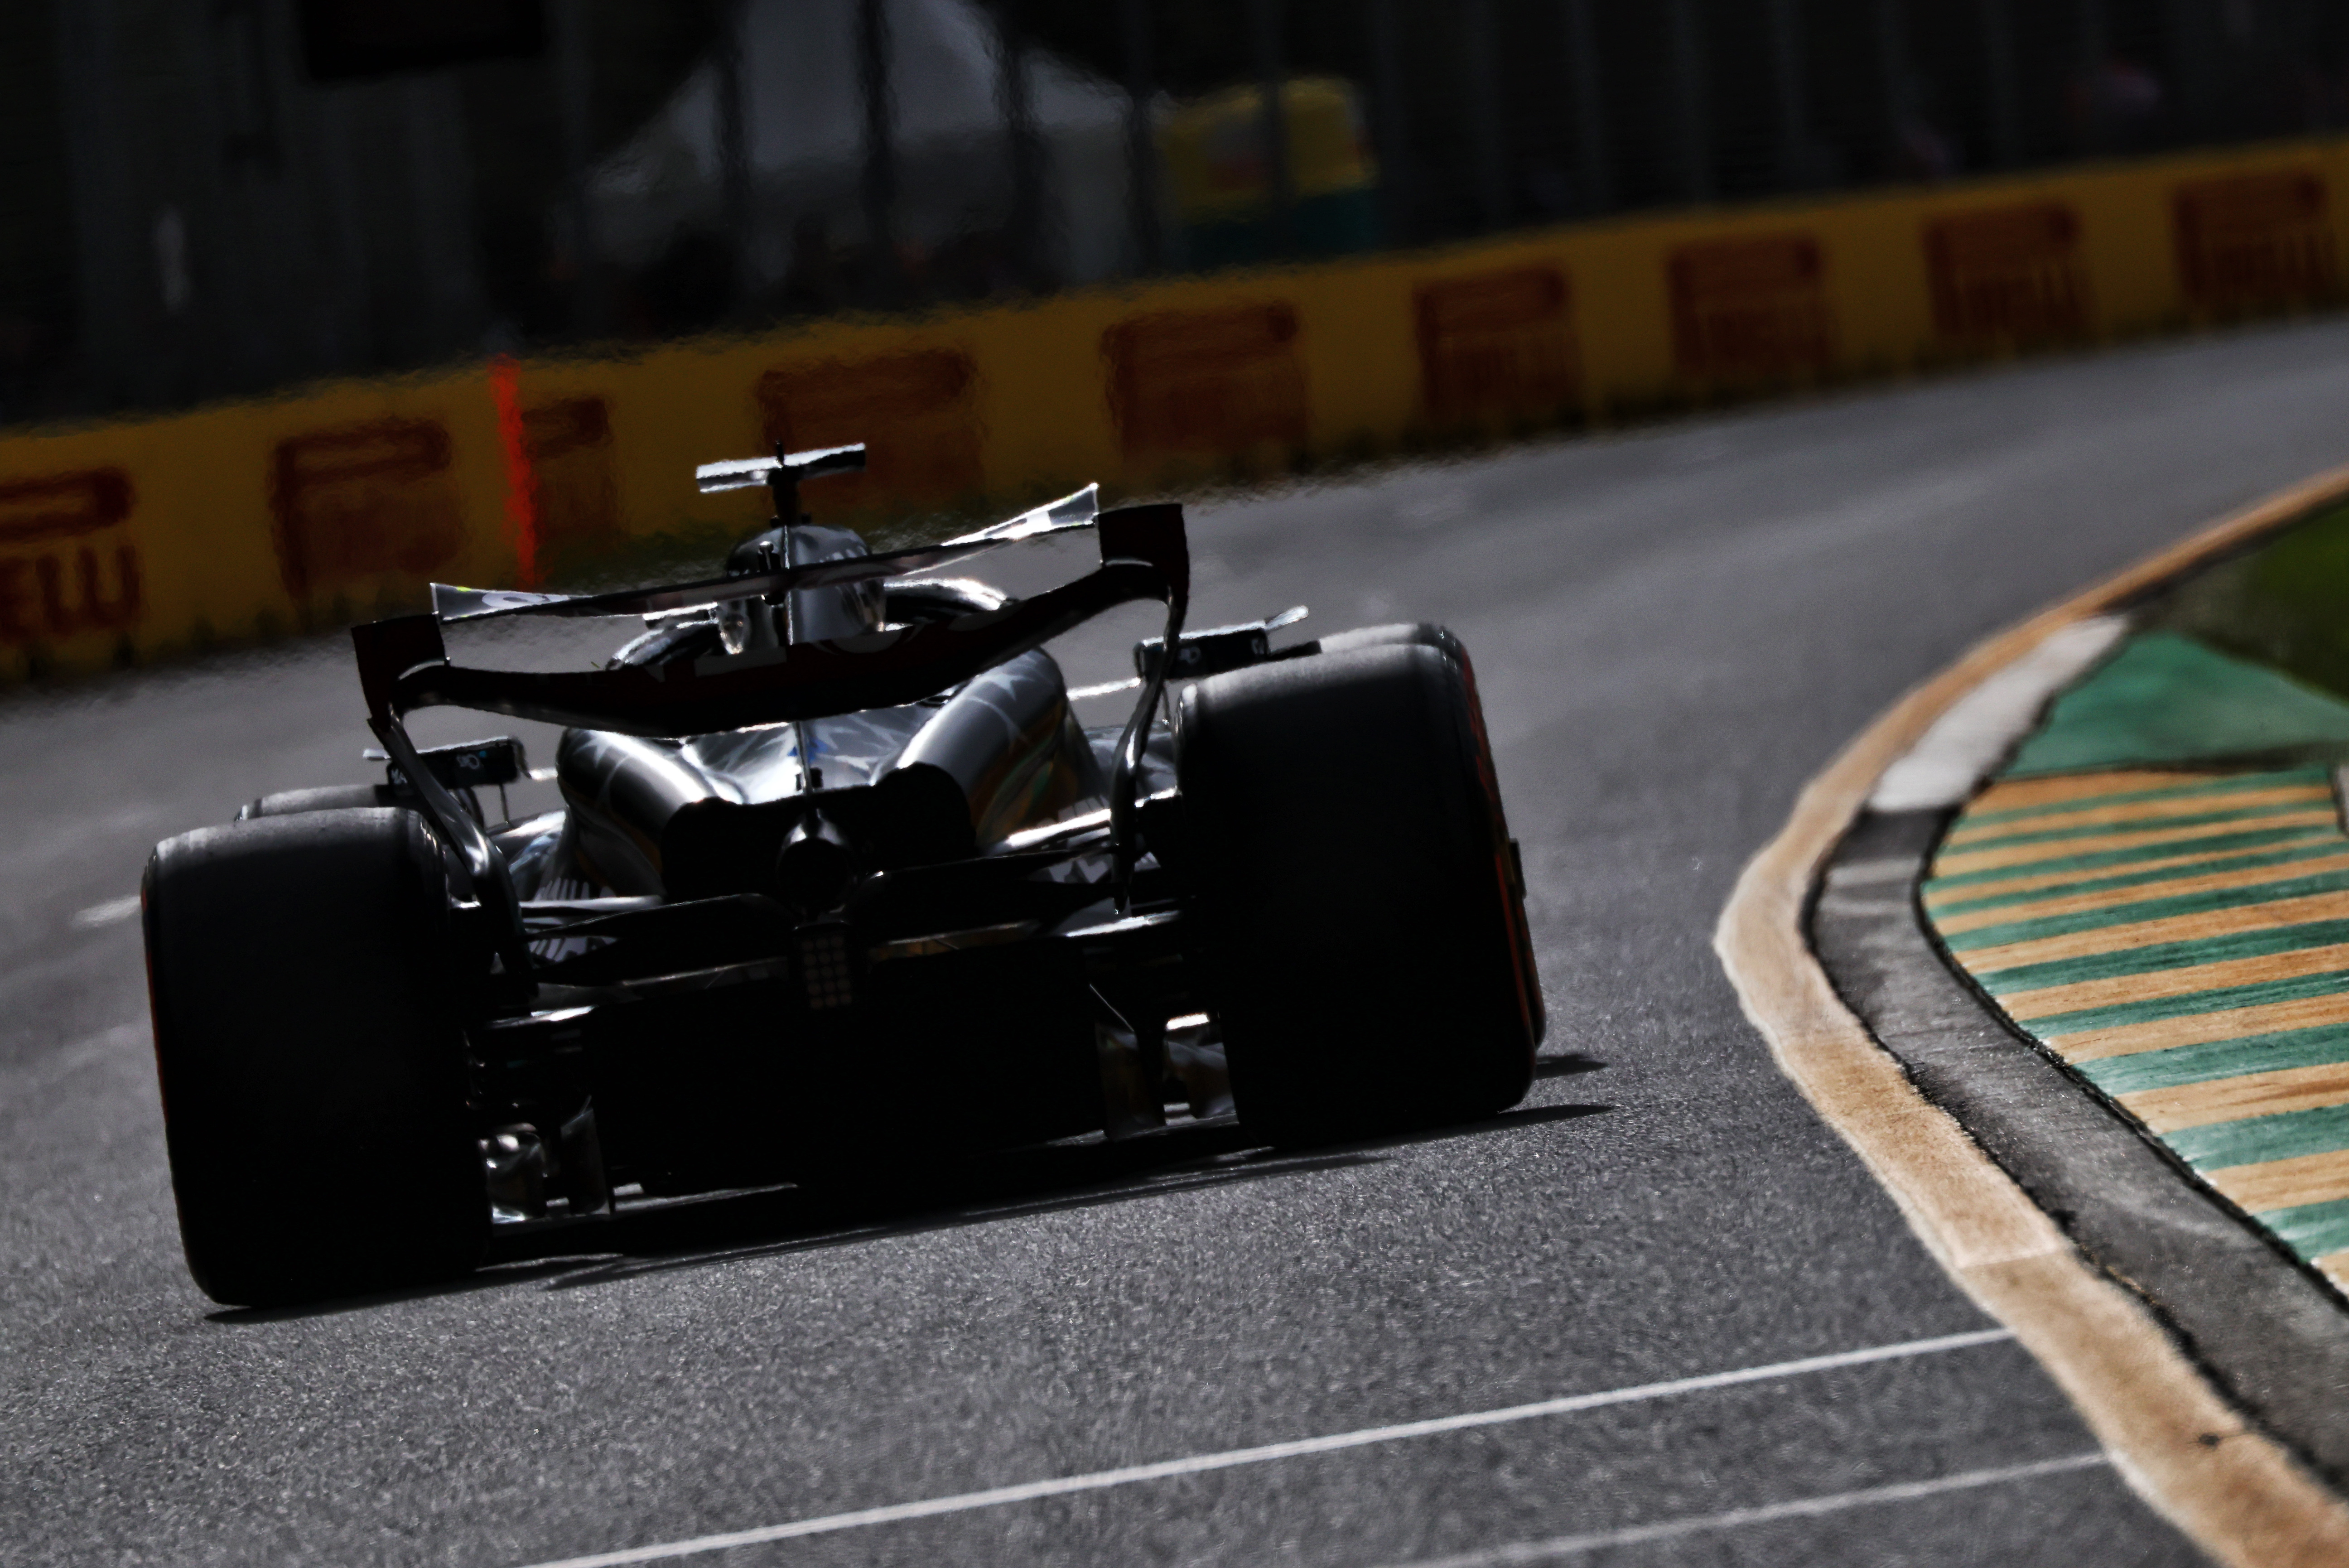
x: 215, y: 199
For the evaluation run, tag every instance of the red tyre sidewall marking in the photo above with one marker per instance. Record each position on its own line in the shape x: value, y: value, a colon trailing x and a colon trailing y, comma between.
x: 1512, y: 911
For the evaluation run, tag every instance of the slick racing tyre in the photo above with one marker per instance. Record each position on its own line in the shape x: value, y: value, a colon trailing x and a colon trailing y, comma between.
x: 1365, y: 943
x: 313, y: 1070
x: 332, y: 797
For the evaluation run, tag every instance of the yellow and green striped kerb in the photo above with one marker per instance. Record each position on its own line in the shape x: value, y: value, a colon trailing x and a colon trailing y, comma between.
x: 2182, y: 940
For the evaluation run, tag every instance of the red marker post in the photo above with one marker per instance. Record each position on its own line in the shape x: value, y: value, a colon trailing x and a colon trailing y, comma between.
x: 521, y: 478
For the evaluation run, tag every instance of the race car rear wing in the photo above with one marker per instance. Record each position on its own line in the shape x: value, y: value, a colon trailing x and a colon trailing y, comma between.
x: 404, y: 665
x: 404, y: 662
x: 1068, y: 515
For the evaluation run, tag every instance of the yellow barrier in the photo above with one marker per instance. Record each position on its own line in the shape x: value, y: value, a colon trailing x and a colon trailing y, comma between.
x: 124, y: 541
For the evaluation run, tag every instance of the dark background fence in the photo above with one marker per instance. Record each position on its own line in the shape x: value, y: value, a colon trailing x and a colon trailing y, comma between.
x: 200, y: 200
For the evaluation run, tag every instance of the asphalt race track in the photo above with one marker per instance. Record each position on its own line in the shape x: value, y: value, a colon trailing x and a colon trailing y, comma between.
x: 1674, y: 628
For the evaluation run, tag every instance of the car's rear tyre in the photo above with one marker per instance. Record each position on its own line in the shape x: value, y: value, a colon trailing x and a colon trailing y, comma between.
x: 330, y: 797
x: 1365, y: 946
x: 303, y: 982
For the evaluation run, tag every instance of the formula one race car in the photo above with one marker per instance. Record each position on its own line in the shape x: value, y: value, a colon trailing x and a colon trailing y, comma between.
x: 838, y: 884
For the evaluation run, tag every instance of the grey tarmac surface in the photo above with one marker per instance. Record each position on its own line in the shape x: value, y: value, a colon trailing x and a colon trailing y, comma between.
x: 1674, y: 628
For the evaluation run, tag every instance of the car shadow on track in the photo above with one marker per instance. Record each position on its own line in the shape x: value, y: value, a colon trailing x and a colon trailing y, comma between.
x: 488, y: 1279
x: 837, y: 1230
x: 732, y: 1228
x: 1565, y: 1066
x: 1056, y: 1179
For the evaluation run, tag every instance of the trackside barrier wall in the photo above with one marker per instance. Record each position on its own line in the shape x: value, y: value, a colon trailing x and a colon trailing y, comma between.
x: 124, y: 541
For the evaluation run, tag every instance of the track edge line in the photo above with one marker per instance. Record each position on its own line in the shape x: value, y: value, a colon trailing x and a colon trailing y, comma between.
x: 2177, y: 1443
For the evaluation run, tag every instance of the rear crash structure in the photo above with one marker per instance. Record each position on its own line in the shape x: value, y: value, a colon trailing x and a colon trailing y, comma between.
x: 839, y: 882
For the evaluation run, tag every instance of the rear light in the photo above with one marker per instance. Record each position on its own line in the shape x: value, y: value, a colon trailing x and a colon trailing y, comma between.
x: 825, y: 967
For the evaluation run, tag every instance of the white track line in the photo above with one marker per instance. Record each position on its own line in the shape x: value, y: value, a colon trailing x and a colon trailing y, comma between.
x: 1977, y: 731
x: 1061, y: 1486
x: 1802, y: 1508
